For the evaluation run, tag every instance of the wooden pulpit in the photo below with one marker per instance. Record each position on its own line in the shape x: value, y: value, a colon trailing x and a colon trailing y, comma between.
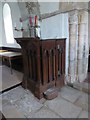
x: 44, y: 64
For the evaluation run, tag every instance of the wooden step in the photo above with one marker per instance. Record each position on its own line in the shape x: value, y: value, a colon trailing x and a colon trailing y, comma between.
x: 51, y: 93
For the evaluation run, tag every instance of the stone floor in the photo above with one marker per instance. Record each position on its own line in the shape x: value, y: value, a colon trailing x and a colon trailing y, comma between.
x: 21, y: 103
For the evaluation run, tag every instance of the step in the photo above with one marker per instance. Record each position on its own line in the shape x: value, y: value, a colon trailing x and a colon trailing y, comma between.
x: 51, y: 93
x: 85, y: 87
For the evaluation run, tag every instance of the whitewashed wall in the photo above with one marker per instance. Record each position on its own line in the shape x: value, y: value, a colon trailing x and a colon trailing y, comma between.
x: 15, y: 13
x: 56, y: 27
x: 48, y: 7
x: 0, y: 24
x: 89, y: 28
x: 89, y: 24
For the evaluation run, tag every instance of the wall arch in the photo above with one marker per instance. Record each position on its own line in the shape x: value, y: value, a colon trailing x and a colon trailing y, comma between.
x: 8, y: 24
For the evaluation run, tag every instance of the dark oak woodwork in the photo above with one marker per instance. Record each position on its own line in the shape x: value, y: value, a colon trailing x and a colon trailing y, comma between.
x: 16, y: 63
x: 60, y: 62
x: 44, y: 64
x: 10, y: 49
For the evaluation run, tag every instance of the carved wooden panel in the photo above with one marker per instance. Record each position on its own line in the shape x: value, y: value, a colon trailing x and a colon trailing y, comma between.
x: 48, y: 62
x: 60, y: 62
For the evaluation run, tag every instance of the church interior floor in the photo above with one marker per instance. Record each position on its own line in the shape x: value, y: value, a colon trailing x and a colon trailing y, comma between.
x: 21, y: 103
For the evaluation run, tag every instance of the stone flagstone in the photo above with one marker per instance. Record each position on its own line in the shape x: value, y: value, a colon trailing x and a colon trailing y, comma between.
x: 44, y: 113
x: 84, y: 114
x: 28, y: 105
x: 83, y: 101
x: 70, y: 94
x: 64, y: 108
x: 14, y: 94
x: 10, y: 111
x: 3, y: 102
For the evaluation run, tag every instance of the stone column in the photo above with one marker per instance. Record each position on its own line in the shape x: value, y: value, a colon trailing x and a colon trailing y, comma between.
x: 73, y: 34
x: 83, y: 35
x: 83, y: 47
x: 78, y: 45
x: 82, y: 69
x: 73, y: 40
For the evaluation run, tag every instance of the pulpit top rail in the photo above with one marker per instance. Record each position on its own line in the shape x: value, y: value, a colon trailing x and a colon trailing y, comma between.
x: 31, y: 38
x: 26, y: 38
